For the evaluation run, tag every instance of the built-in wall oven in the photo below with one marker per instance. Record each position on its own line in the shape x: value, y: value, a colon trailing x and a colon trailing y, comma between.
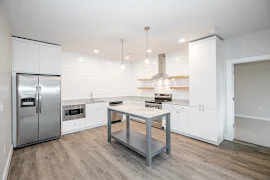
x: 72, y: 112
x: 157, y: 104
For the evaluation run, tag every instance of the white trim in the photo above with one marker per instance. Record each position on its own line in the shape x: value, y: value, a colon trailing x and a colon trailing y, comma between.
x: 196, y: 138
x: 83, y: 129
x: 253, y: 117
x: 229, y: 133
x: 5, y: 173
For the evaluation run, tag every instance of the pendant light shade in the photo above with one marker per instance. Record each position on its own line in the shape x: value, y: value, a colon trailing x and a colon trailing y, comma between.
x: 147, y: 60
x: 122, y: 65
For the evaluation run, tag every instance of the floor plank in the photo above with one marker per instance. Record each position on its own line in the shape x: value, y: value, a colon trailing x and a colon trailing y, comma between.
x: 88, y: 155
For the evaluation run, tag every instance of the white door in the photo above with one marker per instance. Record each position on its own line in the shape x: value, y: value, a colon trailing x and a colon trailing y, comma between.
x: 91, y: 115
x: 25, y: 56
x: 184, y: 121
x: 196, y: 122
x: 210, y: 124
x: 174, y: 120
x: 50, y: 60
x: 208, y: 74
x: 195, y: 75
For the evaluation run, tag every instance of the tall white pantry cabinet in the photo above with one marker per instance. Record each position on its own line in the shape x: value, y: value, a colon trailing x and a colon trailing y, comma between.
x: 207, y: 89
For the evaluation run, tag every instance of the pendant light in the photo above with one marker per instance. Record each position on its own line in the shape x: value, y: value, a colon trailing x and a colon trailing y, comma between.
x: 122, y: 66
x: 147, y: 28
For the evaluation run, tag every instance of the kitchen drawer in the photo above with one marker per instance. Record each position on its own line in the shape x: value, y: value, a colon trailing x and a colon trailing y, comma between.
x: 73, y: 125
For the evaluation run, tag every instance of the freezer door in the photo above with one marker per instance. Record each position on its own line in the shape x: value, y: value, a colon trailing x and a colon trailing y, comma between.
x: 27, y: 109
x: 49, y: 107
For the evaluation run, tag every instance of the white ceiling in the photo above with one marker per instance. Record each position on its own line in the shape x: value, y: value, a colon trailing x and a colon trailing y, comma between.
x: 84, y: 25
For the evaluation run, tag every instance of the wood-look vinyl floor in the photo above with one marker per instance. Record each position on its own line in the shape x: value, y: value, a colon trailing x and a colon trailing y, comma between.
x: 88, y: 155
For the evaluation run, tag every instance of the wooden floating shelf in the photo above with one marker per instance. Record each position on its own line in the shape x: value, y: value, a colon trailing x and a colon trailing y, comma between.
x: 180, y: 87
x: 144, y: 79
x: 145, y: 87
x: 178, y: 77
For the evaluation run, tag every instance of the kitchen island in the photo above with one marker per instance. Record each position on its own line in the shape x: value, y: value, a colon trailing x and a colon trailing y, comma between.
x: 138, y: 142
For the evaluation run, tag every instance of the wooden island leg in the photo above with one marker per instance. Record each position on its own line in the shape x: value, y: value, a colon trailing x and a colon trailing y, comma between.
x: 149, y: 143
x: 168, y: 134
x: 109, y: 125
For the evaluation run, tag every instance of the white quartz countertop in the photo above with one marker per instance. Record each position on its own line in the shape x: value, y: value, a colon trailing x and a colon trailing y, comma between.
x: 143, y: 112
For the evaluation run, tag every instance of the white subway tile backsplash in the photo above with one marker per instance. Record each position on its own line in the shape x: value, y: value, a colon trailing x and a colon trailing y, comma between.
x: 82, y: 74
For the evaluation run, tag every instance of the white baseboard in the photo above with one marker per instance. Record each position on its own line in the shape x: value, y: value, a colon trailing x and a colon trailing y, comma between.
x: 5, y: 173
x: 83, y: 129
x: 252, y: 117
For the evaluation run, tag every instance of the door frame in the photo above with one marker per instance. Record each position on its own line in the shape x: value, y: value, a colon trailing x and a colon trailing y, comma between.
x: 230, y: 129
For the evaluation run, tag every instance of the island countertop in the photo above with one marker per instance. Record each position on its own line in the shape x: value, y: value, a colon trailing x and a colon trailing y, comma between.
x: 144, y: 112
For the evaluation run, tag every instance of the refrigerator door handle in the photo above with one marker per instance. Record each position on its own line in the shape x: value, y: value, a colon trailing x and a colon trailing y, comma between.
x: 40, y: 99
x: 37, y: 103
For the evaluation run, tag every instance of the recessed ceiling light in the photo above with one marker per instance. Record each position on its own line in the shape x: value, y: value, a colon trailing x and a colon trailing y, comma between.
x: 182, y: 40
x: 213, y: 30
x: 149, y: 50
x: 127, y: 57
x: 96, y: 51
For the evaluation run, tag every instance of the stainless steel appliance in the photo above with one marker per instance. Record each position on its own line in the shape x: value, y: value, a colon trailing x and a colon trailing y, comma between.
x: 116, y: 117
x: 73, y: 112
x: 157, y: 103
x: 38, y: 108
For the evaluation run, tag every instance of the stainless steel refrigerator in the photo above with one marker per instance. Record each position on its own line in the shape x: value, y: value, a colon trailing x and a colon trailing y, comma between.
x: 38, y: 108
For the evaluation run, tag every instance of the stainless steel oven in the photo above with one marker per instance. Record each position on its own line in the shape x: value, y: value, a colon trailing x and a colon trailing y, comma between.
x: 157, y: 104
x: 73, y: 112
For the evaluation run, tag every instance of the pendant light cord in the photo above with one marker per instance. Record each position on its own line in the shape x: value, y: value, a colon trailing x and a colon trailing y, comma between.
x: 147, y: 43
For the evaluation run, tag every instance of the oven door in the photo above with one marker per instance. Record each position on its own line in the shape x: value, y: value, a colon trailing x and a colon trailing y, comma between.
x: 72, y: 112
x: 153, y: 105
x: 157, y: 123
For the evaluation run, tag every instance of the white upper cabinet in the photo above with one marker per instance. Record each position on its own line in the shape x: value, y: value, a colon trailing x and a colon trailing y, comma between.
x: 25, y: 56
x: 50, y: 59
x: 36, y: 57
x: 202, y: 73
x: 208, y: 74
x: 195, y: 89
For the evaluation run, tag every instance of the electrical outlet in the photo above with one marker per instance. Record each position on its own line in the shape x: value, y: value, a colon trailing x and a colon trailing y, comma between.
x: 4, y: 150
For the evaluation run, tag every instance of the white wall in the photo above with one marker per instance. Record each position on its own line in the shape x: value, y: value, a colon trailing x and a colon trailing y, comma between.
x: 252, y: 87
x: 244, y: 46
x: 248, y: 45
x: 5, y: 91
x: 82, y: 74
x: 176, y: 64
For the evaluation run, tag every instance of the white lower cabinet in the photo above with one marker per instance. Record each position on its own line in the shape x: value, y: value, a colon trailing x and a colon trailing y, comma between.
x: 184, y: 121
x: 73, y: 125
x: 203, y: 123
x: 210, y: 125
x: 96, y: 114
x: 175, y: 121
x: 194, y: 122
x: 179, y: 118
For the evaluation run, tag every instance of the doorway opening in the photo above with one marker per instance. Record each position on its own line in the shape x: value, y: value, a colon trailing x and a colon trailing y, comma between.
x: 252, y: 102
x: 248, y: 104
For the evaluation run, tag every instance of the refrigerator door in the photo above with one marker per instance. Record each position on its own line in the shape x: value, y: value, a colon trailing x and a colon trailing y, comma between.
x: 27, y: 109
x: 49, y: 107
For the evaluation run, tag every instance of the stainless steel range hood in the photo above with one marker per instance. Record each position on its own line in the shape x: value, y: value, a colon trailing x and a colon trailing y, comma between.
x: 161, y: 68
